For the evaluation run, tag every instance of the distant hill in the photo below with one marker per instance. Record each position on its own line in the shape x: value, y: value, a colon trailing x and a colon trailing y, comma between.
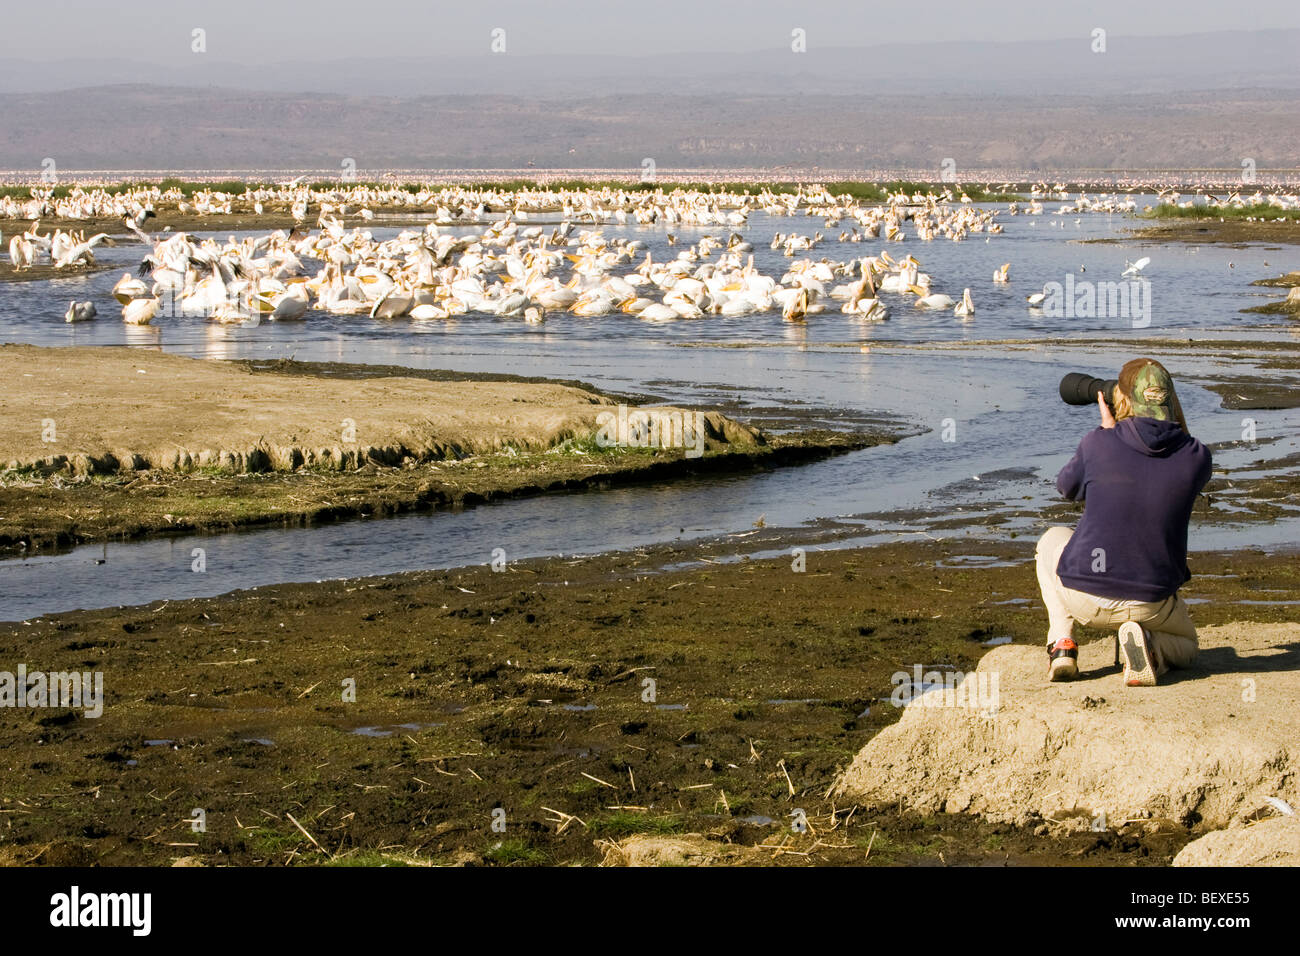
x: 129, y: 127
x: 1209, y: 100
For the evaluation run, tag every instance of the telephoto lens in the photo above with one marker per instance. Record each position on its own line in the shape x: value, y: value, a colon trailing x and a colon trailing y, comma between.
x: 1080, y: 388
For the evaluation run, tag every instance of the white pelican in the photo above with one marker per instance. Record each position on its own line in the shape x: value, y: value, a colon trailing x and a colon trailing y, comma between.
x: 80, y: 311
x: 867, y: 308
x: 82, y: 251
x: 797, y: 307
x: 429, y: 310
x: 21, y: 252
x: 1002, y: 273
x: 129, y: 287
x: 966, y: 306
x: 658, y: 312
x: 140, y: 311
x: 931, y: 300
x: 391, y: 305
x: 291, y: 305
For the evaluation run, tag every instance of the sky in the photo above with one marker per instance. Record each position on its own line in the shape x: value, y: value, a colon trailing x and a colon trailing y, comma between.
x: 250, y: 31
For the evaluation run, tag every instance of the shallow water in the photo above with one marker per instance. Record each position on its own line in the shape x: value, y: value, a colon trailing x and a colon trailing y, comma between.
x: 1011, y: 431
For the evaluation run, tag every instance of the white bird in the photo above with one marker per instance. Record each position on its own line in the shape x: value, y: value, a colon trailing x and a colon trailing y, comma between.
x: 21, y: 252
x: 391, y: 305
x: 797, y: 307
x: 428, y: 310
x: 129, y: 287
x: 931, y: 300
x: 966, y: 306
x: 80, y: 311
x: 140, y: 311
x: 1135, y: 268
x: 291, y: 305
x: 82, y: 251
x: 658, y: 312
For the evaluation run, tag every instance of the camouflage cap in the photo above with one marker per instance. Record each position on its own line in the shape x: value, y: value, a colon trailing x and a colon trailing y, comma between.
x: 1151, y: 391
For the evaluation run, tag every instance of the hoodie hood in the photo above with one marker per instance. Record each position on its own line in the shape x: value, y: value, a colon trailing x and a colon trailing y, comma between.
x: 1151, y: 436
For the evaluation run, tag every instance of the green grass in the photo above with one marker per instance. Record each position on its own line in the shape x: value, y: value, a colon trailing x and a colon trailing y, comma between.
x: 860, y: 191
x: 232, y: 187
x: 269, y: 843
x: 1255, y: 211
x: 25, y: 192
x: 515, y: 851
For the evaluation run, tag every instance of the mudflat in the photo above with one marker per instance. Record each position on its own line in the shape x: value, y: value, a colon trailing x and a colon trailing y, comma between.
x: 576, y: 702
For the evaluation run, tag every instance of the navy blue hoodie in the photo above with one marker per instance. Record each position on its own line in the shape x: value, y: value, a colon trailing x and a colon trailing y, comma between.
x: 1139, y: 481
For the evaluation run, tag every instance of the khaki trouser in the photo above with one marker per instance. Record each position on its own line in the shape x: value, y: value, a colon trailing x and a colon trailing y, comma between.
x: 1173, y: 636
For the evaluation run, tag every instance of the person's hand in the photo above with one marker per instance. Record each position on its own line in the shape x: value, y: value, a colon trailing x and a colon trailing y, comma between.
x: 1107, y: 419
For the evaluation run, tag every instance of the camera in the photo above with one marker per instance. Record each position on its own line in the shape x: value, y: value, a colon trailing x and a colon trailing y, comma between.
x: 1080, y: 388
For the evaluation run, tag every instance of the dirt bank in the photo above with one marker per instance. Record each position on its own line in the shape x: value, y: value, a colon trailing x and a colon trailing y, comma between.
x: 1287, y: 280
x: 526, y: 690
x: 1231, y: 232
x: 104, y: 410
x: 1288, y: 306
x: 1273, y: 841
x: 144, y: 442
x: 1206, y: 749
x: 46, y: 270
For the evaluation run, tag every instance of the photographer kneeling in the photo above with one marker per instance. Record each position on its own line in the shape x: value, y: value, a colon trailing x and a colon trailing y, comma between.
x: 1139, y: 475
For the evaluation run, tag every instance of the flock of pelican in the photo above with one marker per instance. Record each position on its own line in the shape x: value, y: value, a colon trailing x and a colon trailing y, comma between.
x: 508, y: 266
x: 503, y: 270
x: 63, y: 249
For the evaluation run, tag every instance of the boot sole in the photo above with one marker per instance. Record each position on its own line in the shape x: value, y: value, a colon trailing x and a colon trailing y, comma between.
x: 1138, y: 668
x: 1063, y: 668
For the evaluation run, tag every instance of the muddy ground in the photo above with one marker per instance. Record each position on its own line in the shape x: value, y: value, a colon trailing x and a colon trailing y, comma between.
x: 587, y: 699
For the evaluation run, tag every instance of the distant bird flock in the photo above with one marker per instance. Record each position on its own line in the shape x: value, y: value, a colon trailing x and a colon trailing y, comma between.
x: 505, y: 265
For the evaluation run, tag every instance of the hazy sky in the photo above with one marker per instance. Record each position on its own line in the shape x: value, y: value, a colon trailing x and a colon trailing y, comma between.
x: 251, y: 30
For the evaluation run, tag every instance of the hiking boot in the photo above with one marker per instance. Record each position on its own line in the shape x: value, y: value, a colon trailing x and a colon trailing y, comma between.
x: 1063, y: 660
x: 1139, y: 662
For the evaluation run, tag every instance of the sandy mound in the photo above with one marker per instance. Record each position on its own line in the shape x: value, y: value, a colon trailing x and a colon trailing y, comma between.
x: 1206, y: 747
x: 101, y: 410
x: 1271, y: 842
x: 690, y: 849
